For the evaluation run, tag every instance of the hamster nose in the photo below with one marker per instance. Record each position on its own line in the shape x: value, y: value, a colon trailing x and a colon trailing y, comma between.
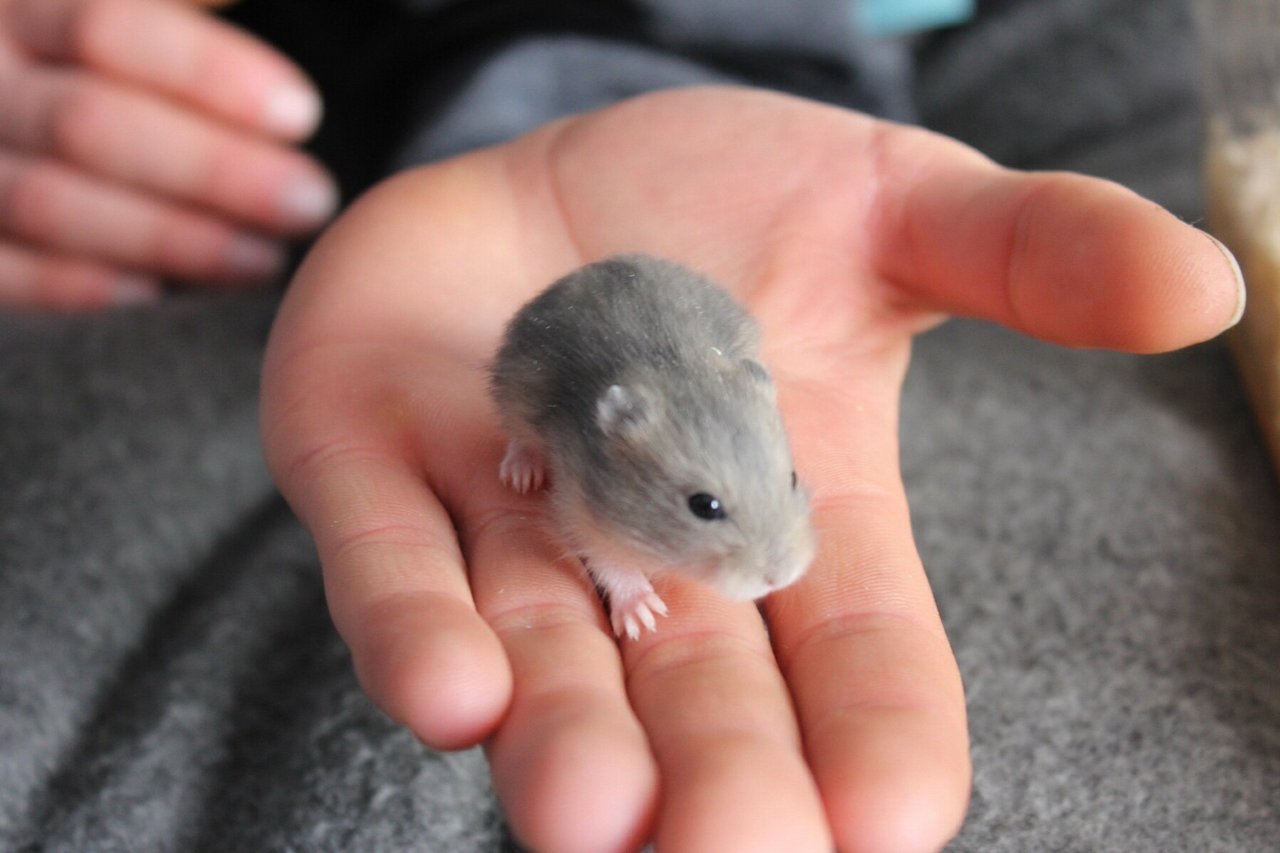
x: 780, y: 577
x: 787, y: 570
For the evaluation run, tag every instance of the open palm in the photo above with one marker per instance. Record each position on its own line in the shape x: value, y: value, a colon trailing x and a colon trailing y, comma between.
x: 837, y: 718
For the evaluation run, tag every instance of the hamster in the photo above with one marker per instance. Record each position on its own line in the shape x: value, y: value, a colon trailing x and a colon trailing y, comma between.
x: 633, y: 385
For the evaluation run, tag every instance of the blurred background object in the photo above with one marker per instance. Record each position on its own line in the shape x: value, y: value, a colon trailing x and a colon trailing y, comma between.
x: 1240, y: 47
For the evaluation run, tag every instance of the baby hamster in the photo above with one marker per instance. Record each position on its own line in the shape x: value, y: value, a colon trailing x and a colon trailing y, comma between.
x: 633, y: 384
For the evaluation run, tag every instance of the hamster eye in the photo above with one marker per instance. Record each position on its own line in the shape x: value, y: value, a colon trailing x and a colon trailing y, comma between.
x: 706, y: 507
x: 794, y: 481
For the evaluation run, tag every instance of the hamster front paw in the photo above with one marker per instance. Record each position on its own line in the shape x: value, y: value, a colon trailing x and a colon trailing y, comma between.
x: 633, y: 604
x: 523, y: 468
x: 635, y: 611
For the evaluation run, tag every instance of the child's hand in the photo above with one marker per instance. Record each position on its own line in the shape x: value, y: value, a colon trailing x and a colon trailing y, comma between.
x: 841, y: 725
x: 142, y: 139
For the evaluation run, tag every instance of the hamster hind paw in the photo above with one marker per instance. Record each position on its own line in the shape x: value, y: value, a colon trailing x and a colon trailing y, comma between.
x: 523, y: 468
x: 631, y: 614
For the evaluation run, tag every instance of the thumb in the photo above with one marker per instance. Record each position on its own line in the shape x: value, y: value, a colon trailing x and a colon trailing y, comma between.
x: 1064, y: 257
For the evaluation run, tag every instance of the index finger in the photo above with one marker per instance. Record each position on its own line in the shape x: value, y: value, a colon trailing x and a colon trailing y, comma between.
x: 177, y: 51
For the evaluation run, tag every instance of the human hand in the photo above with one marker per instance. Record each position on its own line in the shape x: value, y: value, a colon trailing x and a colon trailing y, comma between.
x: 142, y: 139
x: 842, y: 724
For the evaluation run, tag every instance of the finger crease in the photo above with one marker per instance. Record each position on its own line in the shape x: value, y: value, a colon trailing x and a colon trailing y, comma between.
x: 852, y: 627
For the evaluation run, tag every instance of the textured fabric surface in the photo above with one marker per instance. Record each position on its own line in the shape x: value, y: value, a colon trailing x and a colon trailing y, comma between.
x: 1101, y: 535
x: 169, y: 679
x: 1101, y: 530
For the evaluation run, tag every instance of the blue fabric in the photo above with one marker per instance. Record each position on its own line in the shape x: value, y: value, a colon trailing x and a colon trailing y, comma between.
x: 898, y: 17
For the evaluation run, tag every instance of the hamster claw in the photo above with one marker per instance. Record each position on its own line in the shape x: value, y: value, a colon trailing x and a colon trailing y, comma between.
x: 523, y: 468
x: 632, y: 615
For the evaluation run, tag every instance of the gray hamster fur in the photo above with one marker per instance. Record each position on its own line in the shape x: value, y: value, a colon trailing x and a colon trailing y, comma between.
x: 634, y: 384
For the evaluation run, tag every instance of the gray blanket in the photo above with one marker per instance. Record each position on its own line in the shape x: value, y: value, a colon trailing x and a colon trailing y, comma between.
x: 1101, y: 530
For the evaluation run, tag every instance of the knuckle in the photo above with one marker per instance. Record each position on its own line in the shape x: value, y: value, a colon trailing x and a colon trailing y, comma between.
x: 48, y: 26
x: 63, y: 28
x: 13, y: 106
x: 76, y: 120
x: 28, y: 190
x: 30, y: 100
x: 82, y: 25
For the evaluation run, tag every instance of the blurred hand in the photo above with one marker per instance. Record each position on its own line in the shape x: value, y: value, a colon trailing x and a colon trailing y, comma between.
x: 843, y: 723
x: 143, y: 140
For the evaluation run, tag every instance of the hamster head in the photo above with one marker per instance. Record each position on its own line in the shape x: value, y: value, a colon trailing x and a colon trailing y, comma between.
x: 696, y: 475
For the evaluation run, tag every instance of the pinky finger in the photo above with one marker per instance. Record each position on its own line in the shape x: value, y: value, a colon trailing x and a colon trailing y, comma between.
x: 44, y: 282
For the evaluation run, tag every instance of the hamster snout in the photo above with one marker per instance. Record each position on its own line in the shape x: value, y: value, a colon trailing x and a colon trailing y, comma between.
x: 756, y: 573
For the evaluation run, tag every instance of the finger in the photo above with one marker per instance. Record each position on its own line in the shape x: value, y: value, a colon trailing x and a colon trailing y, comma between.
x: 1063, y: 257
x: 49, y: 205
x: 707, y: 689
x: 135, y: 139
x: 175, y: 50
x: 569, y: 746
x: 47, y: 282
x: 394, y: 577
x: 859, y: 639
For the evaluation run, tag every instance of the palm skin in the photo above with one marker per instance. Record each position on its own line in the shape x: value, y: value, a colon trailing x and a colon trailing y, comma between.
x: 843, y: 723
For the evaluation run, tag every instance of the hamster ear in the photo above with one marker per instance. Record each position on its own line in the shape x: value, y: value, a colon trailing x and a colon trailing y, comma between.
x: 760, y: 374
x: 621, y: 410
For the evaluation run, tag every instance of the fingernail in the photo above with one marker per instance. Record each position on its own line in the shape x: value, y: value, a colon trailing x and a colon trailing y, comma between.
x: 252, y: 257
x: 1242, y: 297
x: 293, y: 111
x: 133, y: 289
x: 308, y: 201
